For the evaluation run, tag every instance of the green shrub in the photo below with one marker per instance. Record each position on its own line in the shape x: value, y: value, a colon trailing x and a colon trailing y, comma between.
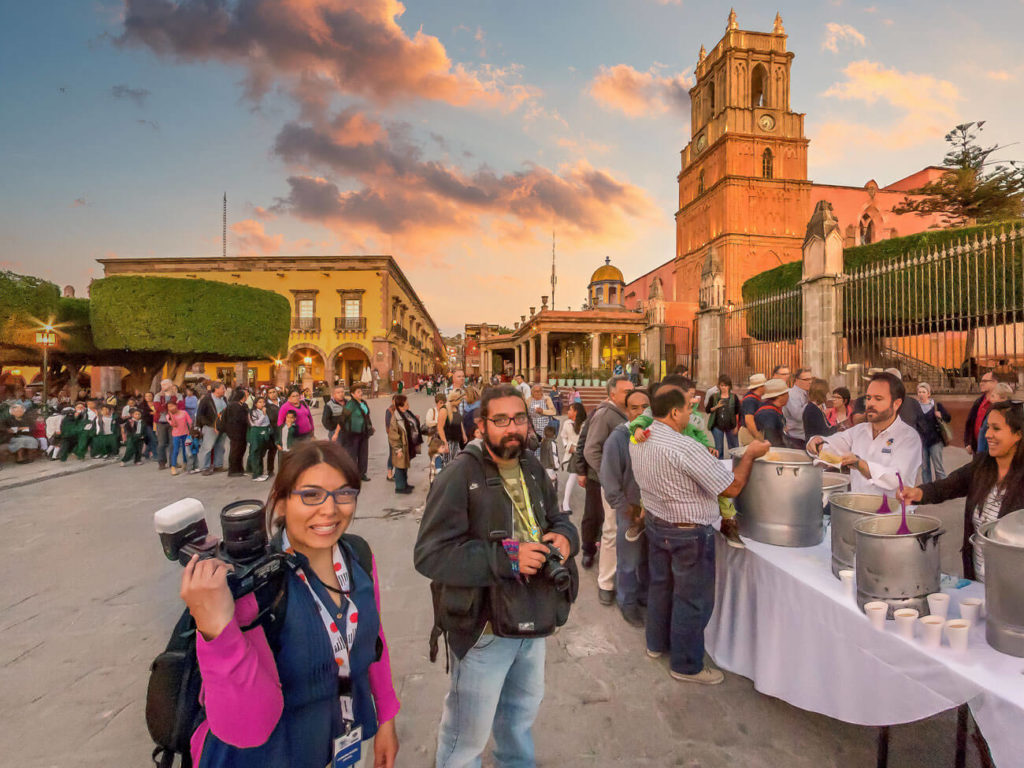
x: 181, y: 316
x: 25, y: 302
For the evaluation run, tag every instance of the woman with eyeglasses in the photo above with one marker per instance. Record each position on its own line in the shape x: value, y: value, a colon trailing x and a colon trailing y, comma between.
x: 319, y: 691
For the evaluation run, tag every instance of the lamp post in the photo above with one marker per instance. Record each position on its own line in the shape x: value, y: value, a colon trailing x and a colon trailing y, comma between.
x: 46, y: 338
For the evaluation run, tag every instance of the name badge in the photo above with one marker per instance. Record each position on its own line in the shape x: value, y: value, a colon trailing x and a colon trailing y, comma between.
x: 348, y: 748
x: 887, y: 450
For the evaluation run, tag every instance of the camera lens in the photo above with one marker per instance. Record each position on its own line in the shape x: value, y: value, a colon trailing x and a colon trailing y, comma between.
x: 243, y: 524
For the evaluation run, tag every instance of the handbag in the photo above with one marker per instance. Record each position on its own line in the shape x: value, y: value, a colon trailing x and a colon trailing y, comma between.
x: 945, y: 432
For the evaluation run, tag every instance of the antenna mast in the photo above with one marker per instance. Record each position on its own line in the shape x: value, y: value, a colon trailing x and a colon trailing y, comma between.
x: 553, y: 278
x: 224, y: 229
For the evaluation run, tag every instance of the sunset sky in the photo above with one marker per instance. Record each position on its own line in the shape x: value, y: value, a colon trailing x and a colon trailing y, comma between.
x: 454, y: 136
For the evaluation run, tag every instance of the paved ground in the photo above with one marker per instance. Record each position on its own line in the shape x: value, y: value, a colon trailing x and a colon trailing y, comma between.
x: 88, y: 601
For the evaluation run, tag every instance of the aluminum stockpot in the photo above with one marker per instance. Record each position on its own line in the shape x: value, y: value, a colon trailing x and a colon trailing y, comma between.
x: 781, y: 502
x: 831, y: 484
x: 1004, y: 590
x: 846, y: 509
x: 898, y: 569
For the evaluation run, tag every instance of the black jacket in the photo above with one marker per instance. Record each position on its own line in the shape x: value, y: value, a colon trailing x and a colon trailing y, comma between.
x: 972, y: 416
x: 579, y: 462
x: 236, y: 420
x: 932, y: 434
x: 965, y: 482
x: 815, y: 423
x: 333, y: 415
x: 206, y: 412
x: 455, y: 548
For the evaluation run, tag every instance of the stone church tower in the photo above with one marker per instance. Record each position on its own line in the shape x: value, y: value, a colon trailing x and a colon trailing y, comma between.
x: 743, y: 187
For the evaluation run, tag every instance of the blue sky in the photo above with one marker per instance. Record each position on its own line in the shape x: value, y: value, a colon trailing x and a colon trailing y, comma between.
x: 453, y: 135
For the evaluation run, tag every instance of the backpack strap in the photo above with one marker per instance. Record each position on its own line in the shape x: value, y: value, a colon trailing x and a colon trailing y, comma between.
x: 361, y: 549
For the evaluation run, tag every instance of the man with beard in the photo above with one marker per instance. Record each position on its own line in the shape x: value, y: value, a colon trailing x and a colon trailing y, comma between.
x: 878, y: 448
x: 490, y: 534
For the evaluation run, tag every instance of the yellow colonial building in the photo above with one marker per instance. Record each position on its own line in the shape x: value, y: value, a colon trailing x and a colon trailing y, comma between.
x: 350, y: 315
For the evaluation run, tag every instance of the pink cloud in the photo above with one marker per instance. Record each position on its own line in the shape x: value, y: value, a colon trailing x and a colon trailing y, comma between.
x: 251, y: 239
x: 641, y: 94
x: 841, y: 33
x: 313, y: 47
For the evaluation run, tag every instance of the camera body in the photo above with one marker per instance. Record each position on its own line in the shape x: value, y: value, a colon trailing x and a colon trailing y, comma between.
x: 183, y: 533
x: 554, y: 571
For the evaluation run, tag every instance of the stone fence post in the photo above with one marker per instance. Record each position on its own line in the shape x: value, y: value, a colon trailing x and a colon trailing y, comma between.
x: 822, y: 293
x: 710, y: 335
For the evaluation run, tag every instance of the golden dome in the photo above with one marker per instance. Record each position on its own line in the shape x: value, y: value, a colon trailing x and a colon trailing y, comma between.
x: 607, y: 272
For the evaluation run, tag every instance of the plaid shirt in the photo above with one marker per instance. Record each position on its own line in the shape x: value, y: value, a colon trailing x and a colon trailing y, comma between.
x: 679, y: 480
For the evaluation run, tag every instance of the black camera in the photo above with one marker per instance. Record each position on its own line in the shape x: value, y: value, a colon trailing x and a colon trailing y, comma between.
x: 554, y: 571
x: 183, y: 533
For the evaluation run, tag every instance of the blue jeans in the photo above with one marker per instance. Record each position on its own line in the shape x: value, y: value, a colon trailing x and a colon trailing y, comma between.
x: 631, y: 565
x: 681, y: 594
x: 498, y: 685
x: 721, y: 438
x: 932, y: 459
x: 178, y: 444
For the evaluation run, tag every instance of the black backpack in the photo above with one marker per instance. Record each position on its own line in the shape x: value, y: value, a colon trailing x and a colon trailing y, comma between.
x: 173, y: 711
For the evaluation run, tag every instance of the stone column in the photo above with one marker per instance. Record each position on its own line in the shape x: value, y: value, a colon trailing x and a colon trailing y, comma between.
x: 283, y: 376
x: 821, y: 294
x: 710, y: 334
x: 595, y: 351
x: 544, y: 356
x: 241, y: 374
x: 518, y: 349
x: 529, y: 359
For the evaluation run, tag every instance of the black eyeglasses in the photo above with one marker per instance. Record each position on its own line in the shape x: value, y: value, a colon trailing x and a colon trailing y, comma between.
x: 504, y: 421
x: 312, y: 497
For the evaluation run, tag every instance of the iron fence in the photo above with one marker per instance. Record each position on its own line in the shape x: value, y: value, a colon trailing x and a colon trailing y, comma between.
x: 760, y: 335
x: 943, y: 315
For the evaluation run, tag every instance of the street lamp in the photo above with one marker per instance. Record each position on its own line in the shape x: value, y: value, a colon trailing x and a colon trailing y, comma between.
x: 46, y: 338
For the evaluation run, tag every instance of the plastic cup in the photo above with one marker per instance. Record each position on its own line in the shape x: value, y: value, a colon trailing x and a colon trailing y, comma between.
x: 931, y: 631
x: 956, y: 634
x: 846, y: 576
x: 970, y: 609
x: 905, y: 618
x: 876, y: 612
x: 938, y: 604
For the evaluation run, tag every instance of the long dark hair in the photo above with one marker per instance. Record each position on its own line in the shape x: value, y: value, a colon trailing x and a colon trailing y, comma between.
x: 987, y: 473
x: 308, y: 453
x: 581, y: 415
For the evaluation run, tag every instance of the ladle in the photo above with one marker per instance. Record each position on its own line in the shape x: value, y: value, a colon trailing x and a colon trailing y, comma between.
x: 904, y: 529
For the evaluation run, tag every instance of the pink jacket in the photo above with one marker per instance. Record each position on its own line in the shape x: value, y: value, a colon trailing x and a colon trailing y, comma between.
x: 241, y: 690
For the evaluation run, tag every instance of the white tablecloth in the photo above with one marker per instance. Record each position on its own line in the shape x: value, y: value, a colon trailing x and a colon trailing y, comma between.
x: 782, y: 619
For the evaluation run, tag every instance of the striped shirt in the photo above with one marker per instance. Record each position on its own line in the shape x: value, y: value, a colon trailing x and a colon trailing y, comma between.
x: 986, y: 513
x: 679, y: 480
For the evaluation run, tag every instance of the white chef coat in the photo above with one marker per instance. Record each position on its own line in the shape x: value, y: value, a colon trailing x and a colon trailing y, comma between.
x: 896, y: 449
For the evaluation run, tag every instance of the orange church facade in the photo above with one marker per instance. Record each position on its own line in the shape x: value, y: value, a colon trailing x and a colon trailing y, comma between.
x: 744, y: 192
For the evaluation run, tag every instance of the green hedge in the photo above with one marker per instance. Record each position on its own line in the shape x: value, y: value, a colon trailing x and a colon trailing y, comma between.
x: 74, y: 327
x: 787, y: 276
x: 188, y: 317
x: 25, y: 301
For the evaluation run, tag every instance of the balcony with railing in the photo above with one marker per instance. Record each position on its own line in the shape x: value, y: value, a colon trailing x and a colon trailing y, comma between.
x: 305, y: 325
x: 350, y: 325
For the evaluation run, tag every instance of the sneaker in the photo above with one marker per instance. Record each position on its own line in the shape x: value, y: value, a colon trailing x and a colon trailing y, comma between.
x: 174, y: 470
x: 207, y: 472
x: 261, y: 478
x: 731, y: 531
x: 653, y: 654
x: 634, y: 532
x: 124, y: 463
x: 707, y: 676
x: 195, y: 471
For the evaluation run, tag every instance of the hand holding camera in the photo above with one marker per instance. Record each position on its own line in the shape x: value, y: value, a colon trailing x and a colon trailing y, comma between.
x: 204, y: 588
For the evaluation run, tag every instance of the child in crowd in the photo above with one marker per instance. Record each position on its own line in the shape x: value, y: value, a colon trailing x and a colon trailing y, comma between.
x: 258, y: 437
x: 549, y: 455
x: 39, y: 433
x: 53, y: 434
x: 286, y: 434
x: 180, y: 423
x: 134, y: 435
x: 104, y: 439
x: 192, y: 445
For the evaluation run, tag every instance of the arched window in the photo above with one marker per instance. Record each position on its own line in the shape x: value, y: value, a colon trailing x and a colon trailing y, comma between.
x: 766, y: 164
x: 867, y: 230
x: 711, y: 100
x: 700, y: 183
x: 758, y: 80
x: 599, y: 295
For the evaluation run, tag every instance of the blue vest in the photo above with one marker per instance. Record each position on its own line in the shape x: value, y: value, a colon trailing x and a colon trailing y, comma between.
x: 304, y: 736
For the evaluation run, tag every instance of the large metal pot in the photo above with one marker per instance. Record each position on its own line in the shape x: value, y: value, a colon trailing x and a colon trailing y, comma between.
x: 898, y: 569
x: 1004, y: 585
x: 846, y: 509
x: 781, y: 502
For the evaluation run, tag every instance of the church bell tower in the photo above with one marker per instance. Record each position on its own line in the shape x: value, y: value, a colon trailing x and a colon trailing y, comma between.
x: 743, y: 186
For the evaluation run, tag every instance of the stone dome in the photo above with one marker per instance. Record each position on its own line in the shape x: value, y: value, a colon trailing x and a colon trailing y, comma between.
x: 607, y: 272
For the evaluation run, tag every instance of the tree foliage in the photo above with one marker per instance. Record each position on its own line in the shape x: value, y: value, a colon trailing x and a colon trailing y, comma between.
x: 25, y: 302
x: 201, y: 319
x: 976, y: 188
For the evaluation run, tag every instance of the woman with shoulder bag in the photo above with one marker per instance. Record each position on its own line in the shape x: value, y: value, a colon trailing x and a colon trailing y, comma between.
x: 936, y: 437
x: 324, y: 690
x: 723, y: 416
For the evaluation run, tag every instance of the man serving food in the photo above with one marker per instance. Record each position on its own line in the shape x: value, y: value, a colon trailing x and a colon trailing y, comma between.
x: 878, y: 448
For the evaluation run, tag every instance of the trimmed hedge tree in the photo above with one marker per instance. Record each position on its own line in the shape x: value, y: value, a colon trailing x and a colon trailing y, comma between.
x: 25, y: 302
x: 189, y: 318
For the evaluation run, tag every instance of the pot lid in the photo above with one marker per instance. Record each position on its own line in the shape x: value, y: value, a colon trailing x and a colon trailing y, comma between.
x: 1009, y: 529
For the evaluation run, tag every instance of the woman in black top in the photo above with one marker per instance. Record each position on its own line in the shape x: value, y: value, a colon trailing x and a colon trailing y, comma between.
x: 815, y: 421
x: 993, y: 483
x: 235, y: 420
x: 146, y: 407
x: 723, y: 416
